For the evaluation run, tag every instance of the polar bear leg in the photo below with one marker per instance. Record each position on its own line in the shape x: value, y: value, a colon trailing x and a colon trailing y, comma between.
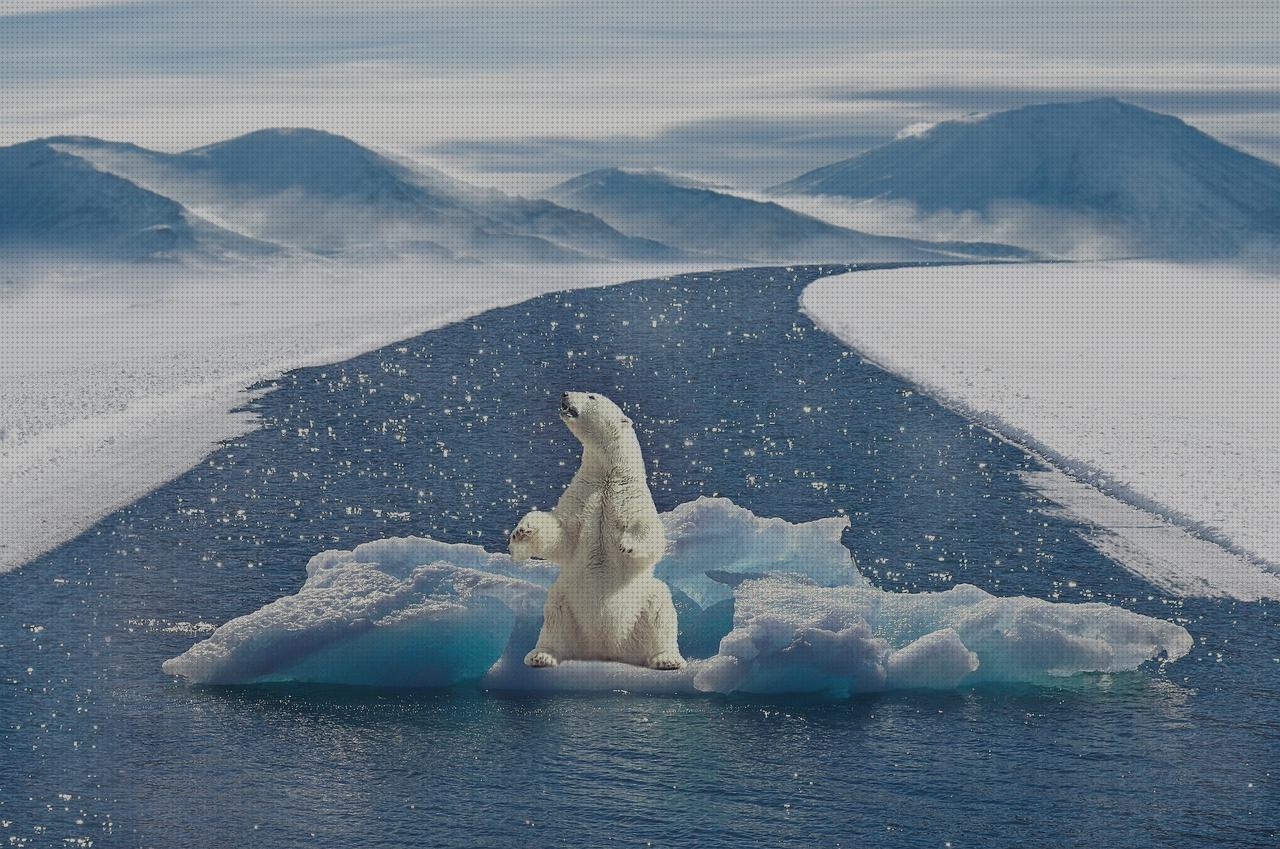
x: 658, y: 632
x: 558, y: 635
x: 538, y: 535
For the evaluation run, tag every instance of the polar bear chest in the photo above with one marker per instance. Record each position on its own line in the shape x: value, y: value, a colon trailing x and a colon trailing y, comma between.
x: 603, y: 512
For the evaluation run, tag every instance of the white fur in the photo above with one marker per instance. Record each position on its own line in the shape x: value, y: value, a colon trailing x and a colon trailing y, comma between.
x: 606, y: 537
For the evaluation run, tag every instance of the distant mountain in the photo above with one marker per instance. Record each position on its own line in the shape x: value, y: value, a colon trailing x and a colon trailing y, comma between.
x: 573, y: 228
x: 53, y: 203
x: 1165, y: 187
x: 716, y: 224
x: 322, y: 193
x: 300, y: 192
x: 268, y: 162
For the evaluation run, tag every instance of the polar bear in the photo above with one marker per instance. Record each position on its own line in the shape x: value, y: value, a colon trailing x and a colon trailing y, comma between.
x: 606, y: 537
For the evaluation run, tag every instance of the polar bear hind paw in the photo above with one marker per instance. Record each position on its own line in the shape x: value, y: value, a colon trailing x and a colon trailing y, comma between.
x: 539, y: 658
x: 667, y: 660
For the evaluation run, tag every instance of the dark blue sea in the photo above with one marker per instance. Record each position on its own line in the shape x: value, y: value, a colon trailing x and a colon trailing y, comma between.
x: 454, y: 434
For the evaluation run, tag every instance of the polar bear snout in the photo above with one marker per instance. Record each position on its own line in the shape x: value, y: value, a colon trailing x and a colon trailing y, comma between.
x: 591, y: 417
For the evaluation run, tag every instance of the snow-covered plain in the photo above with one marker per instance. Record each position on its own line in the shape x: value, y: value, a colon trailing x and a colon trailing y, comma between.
x: 418, y: 612
x: 116, y: 380
x: 1156, y: 383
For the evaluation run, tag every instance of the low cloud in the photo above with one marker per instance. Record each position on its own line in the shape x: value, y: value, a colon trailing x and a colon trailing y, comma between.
x: 730, y: 151
x: 521, y: 95
x: 1051, y: 232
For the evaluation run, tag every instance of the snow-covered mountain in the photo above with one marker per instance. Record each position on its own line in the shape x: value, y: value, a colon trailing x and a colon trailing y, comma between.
x: 308, y: 191
x: 1162, y: 186
x: 716, y: 224
x: 53, y: 203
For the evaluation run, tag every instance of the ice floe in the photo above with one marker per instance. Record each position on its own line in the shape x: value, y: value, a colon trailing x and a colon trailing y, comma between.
x: 779, y: 607
x: 1153, y: 383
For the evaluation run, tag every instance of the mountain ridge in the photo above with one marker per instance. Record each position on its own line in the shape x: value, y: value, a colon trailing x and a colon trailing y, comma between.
x: 54, y: 200
x: 703, y: 220
x: 1170, y: 188
x: 325, y: 194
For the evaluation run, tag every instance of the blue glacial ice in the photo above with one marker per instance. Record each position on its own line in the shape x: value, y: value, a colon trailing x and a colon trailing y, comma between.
x: 788, y: 637
x: 765, y: 606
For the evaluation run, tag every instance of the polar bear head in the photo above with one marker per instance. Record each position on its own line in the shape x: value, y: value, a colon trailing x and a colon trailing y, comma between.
x: 594, y: 419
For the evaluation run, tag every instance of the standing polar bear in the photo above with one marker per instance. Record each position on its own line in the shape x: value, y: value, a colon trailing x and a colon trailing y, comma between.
x: 606, y: 537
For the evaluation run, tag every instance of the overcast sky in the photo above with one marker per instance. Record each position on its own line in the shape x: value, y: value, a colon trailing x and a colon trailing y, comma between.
x: 523, y: 94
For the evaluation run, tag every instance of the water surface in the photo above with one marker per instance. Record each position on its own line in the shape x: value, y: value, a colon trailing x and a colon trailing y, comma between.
x: 454, y: 434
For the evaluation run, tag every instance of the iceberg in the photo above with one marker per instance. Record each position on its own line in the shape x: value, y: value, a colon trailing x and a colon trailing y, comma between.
x: 354, y: 623
x: 713, y: 544
x: 776, y: 606
x: 788, y: 637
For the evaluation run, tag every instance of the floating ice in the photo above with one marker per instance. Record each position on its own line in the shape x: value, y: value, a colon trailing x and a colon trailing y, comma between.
x: 354, y: 623
x: 788, y: 637
x: 714, y: 544
x: 779, y: 606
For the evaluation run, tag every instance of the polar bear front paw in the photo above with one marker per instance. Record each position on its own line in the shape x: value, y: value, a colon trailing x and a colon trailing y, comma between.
x: 629, y: 543
x: 537, y: 535
x: 523, y: 542
x: 641, y: 547
x: 667, y: 660
x: 539, y: 658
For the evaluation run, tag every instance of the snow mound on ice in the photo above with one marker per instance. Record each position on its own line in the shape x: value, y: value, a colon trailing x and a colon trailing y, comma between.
x: 784, y: 603
x: 353, y: 623
x: 789, y: 637
x: 713, y: 544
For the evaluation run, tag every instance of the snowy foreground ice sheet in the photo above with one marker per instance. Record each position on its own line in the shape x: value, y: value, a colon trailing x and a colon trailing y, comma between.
x: 1152, y: 382
x: 115, y: 380
x: 783, y: 602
